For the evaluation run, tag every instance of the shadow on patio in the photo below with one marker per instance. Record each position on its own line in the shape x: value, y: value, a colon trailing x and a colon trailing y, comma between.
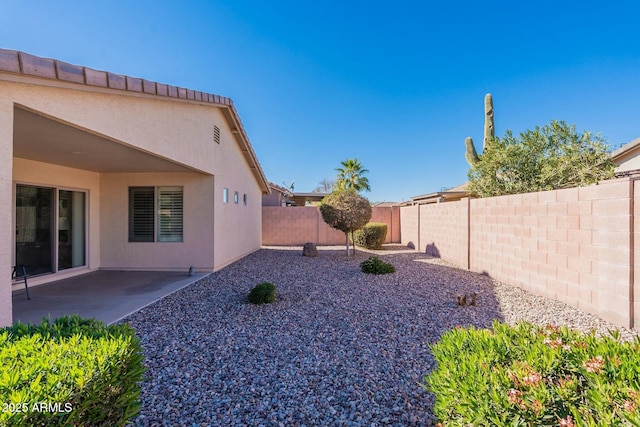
x: 106, y: 295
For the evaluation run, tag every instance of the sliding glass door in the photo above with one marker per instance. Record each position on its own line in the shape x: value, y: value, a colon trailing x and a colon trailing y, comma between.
x: 34, y: 228
x: 50, y: 225
x: 71, y: 229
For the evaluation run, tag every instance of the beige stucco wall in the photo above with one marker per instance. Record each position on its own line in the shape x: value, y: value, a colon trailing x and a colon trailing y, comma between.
x: 238, y: 228
x: 173, y: 129
x: 197, y: 246
x: 630, y: 161
x: 6, y: 197
x: 177, y: 129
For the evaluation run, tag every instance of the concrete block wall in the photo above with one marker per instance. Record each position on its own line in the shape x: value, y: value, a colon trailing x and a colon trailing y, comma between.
x: 410, y: 226
x: 578, y: 245
x: 444, y: 231
x: 291, y: 226
x: 391, y: 217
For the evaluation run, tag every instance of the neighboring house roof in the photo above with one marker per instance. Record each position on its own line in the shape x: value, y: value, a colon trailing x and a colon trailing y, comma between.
x: 280, y: 189
x: 301, y: 199
x: 627, y: 159
x: 12, y: 61
x: 626, y: 151
x: 385, y: 204
x: 450, y: 195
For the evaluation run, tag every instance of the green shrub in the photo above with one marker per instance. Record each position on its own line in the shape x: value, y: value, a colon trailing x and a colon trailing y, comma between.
x: 374, y: 265
x: 529, y: 375
x: 371, y: 236
x: 72, y: 371
x: 263, y: 293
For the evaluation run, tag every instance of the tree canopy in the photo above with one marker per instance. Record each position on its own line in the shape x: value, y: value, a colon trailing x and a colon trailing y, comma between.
x: 351, y: 176
x: 345, y: 210
x: 546, y: 158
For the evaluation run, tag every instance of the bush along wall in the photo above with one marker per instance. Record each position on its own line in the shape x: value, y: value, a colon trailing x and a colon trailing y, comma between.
x: 528, y: 375
x: 71, y: 371
x: 371, y: 236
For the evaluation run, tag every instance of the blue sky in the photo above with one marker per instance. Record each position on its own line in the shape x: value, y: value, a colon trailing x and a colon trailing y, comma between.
x: 397, y: 84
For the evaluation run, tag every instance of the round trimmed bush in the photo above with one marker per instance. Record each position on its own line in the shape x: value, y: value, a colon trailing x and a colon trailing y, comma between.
x: 263, y: 293
x: 371, y: 236
x: 374, y: 265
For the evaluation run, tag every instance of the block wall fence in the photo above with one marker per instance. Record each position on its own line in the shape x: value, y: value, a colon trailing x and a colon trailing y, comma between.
x: 579, y: 245
x: 283, y: 226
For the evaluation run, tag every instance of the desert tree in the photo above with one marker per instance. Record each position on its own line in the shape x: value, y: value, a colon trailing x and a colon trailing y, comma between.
x: 551, y: 157
x: 346, y: 210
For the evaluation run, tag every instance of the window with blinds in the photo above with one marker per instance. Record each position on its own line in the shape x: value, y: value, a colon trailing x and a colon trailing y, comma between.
x: 148, y: 214
x: 170, y: 214
x: 141, y: 214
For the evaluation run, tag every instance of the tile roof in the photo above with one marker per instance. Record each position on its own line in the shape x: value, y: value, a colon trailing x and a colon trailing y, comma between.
x: 16, y: 62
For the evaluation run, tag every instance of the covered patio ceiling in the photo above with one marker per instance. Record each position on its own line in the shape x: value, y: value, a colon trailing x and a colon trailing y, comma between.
x: 44, y: 139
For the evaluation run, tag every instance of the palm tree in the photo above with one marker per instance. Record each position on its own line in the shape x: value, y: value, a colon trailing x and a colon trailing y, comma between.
x: 351, y: 176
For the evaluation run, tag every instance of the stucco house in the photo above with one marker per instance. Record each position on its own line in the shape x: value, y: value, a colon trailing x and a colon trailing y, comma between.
x: 627, y: 159
x: 104, y: 171
x: 279, y: 196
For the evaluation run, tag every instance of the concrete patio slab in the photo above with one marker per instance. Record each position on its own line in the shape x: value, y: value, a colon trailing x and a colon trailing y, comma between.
x: 106, y: 295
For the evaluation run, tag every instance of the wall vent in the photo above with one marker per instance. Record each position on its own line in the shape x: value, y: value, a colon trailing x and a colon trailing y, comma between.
x: 216, y: 134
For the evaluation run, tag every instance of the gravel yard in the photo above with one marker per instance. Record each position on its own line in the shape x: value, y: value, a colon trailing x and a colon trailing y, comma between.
x: 338, y: 347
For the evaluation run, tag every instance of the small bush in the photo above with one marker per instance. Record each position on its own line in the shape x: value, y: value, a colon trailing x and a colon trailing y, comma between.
x: 371, y: 236
x: 263, y: 293
x: 72, y: 371
x: 374, y: 265
x: 531, y: 375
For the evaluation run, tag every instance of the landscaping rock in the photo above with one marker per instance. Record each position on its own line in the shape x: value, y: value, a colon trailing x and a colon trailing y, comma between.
x: 339, y: 348
x: 309, y: 249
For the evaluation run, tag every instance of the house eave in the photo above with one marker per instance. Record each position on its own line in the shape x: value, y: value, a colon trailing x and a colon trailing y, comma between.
x: 23, y: 67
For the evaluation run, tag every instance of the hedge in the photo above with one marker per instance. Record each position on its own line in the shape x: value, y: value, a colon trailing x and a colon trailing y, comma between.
x: 71, y: 371
x: 371, y: 236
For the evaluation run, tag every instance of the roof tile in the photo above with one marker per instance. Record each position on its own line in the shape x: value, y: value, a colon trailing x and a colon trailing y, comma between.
x: 162, y: 89
x: 148, y: 86
x: 134, y: 84
x: 9, y: 61
x: 173, y: 91
x: 36, y: 66
x: 69, y: 72
x: 116, y: 81
x: 95, y: 77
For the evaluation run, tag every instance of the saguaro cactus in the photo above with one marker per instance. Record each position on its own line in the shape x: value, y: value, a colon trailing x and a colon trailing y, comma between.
x: 489, y: 132
x: 471, y: 154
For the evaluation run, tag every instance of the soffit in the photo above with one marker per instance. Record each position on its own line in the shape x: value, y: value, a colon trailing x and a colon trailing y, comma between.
x: 43, y: 139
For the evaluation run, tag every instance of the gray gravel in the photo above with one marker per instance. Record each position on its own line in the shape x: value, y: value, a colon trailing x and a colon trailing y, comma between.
x: 337, y: 348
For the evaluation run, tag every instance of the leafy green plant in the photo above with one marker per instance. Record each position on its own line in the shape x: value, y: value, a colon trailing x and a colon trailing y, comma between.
x: 371, y: 236
x: 71, y: 371
x: 528, y: 375
x: 374, y: 265
x: 551, y: 157
x: 263, y: 293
